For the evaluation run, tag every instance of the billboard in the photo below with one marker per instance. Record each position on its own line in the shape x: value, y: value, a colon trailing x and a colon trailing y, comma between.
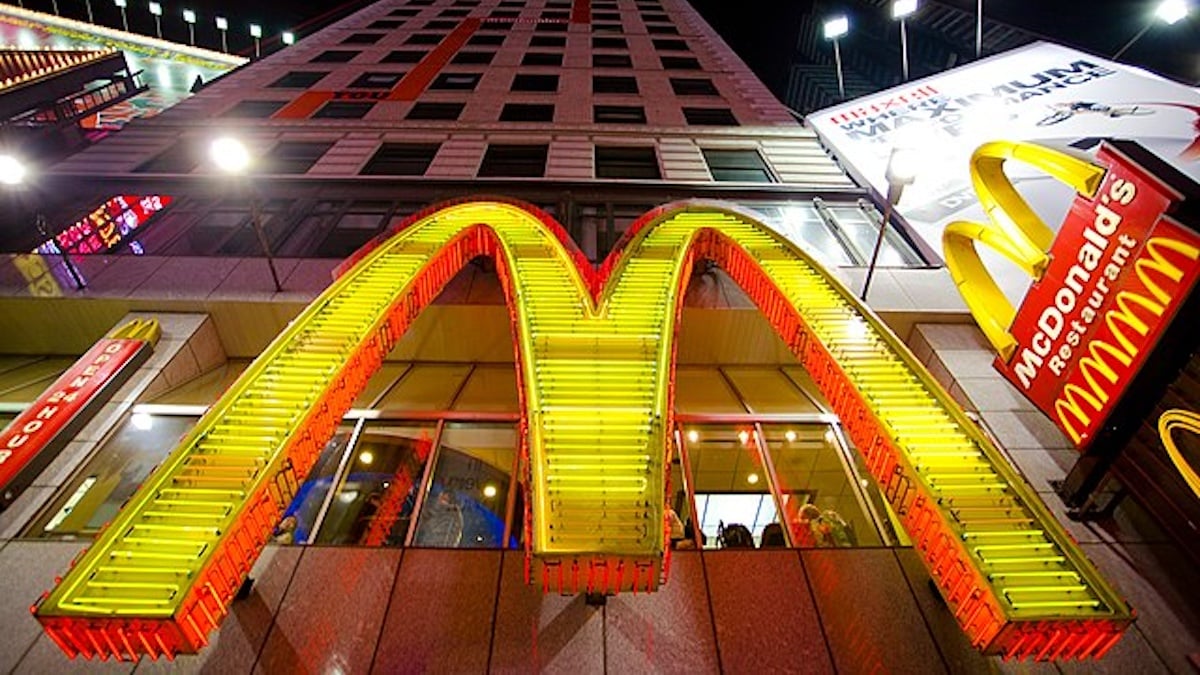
x: 1046, y: 93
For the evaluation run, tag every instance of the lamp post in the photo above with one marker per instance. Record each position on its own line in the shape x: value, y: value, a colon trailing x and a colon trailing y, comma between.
x: 901, y: 9
x: 978, y: 28
x: 88, y: 5
x: 223, y: 26
x: 1169, y: 12
x: 256, y: 33
x: 289, y: 38
x: 189, y: 17
x: 156, y: 10
x: 901, y: 170
x: 54, y: 3
x: 12, y: 174
x: 121, y: 4
x: 233, y: 159
x: 835, y: 28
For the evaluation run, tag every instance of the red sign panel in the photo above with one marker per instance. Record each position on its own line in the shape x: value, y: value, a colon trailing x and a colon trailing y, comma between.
x: 40, y: 425
x: 1119, y: 272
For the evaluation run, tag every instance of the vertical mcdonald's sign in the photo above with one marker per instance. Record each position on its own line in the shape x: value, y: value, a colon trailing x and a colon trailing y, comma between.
x: 36, y: 436
x: 1105, y: 288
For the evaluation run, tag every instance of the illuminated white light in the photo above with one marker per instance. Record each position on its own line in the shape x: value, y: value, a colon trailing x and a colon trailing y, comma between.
x: 229, y: 154
x: 255, y: 30
x: 836, y: 27
x: 222, y: 23
x: 693, y: 436
x: 12, y: 170
x: 489, y: 491
x: 366, y: 457
x: 189, y: 16
x: 142, y: 421
x: 902, y: 8
x: 348, y: 497
x: 121, y: 3
x: 1171, y: 11
x: 156, y: 8
x: 744, y: 436
x: 289, y: 38
x: 903, y: 165
x: 790, y: 436
x: 752, y: 479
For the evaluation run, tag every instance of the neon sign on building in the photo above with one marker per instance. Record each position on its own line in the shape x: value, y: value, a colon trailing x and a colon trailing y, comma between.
x: 595, y: 372
x: 107, y: 227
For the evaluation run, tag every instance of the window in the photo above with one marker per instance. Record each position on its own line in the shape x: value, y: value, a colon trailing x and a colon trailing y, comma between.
x: 401, y: 159
x: 254, y: 109
x: 403, y: 56
x: 505, y: 14
x: 435, y: 111
x: 680, y: 63
x: 298, y: 79
x: 614, y: 84
x: 611, y: 61
x: 548, y: 41
x: 619, y: 114
x: 654, y: 29
x: 556, y: 16
x: 626, y: 162
x: 607, y: 28
x: 404, y: 12
x: 473, y: 58
x: 512, y: 3
x: 711, y: 117
x: 745, y: 166
x: 376, y: 80
x: 518, y: 161
x: 454, y: 13
x: 667, y: 45
x: 385, y: 24
x: 350, y: 110
x: 294, y: 157
x: 423, y: 39
x: 609, y: 43
x: 492, y: 25
x: 542, y: 59
x: 693, y: 86
x: 457, y: 81
x: 440, y: 24
x: 655, y: 17
x: 334, y: 56
x: 524, y: 82
x: 606, y: 16
x: 729, y: 485
x: 550, y: 28
x: 179, y: 158
x: 362, y: 39
x: 527, y: 112
x: 486, y: 40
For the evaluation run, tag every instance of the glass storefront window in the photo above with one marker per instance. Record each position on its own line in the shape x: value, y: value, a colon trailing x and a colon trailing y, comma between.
x: 733, y: 503
x: 296, y: 527
x: 467, y: 503
x: 376, y: 491
x: 97, y: 491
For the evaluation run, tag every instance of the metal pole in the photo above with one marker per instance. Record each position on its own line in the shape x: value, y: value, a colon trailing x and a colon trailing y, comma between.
x: 904, y: 48
x: 88, y: 4
x: 978, y: 28
x: 40, y: 223
x: 837, y: 58
x: 256, y: 219
x: 887, y: 215
x: 224, y: 44
x: 124, y: 20
x: 158, y: 26
x: 191, y: 35
x: 55, y: 3
x: 257, y: 51
x: 1135, y: 38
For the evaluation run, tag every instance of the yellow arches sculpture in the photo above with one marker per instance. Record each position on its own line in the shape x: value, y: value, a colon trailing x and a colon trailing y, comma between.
x: 594, y: 353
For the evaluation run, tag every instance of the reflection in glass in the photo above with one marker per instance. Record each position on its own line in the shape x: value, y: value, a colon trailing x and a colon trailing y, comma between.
x: 122, y: 464
x: 296, y: 526
x: 374, y: 500
x: 731, y: 485
x: 468, y: 496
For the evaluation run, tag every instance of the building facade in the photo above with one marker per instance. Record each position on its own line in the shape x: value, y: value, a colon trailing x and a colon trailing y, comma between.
x: 596, y: 113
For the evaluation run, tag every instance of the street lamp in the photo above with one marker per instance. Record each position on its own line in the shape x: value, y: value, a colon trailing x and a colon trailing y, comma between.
x: 88, y: 5
x: 121, y: 4
x: 233, y: 159
x: 901, y: 170
x: 901, y: 9
x: 12, y: 174
x: 156, y: 10
x: 223, y: 25
x: 189, y: 17
x: 1169, y: 12
x: 835, y: 28
x: 256, y: 33
x: 289, y: 38
x: 978, y: 28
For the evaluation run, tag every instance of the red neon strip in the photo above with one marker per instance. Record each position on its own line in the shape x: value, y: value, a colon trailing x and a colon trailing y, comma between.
x: 304, y: 106
x: 581, y: 11
x: 415, y: 82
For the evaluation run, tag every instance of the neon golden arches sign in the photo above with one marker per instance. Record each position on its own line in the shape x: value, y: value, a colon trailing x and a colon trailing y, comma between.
x: 1170, y: 424
x: 595, y: 370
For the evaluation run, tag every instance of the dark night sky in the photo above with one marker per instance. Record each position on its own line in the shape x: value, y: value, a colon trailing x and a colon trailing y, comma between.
x: 763, y: 32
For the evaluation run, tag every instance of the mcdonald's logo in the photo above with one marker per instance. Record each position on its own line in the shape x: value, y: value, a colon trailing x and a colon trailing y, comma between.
x: 1103, y: 290
x: 595, y: 366
x: 1170, y: 424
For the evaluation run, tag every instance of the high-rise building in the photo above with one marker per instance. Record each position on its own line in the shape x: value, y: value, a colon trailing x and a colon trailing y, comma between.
x: 432, y: 433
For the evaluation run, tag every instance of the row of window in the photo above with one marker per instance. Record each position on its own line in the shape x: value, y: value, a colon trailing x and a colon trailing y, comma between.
x: 601, y: 84
x: 511, y: 112
x: 547, y: 59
